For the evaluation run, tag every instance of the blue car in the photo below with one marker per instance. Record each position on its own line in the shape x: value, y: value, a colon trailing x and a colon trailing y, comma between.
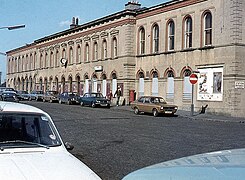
x: 219, y: 165
x: 69, y: 98
x: 94, y: 100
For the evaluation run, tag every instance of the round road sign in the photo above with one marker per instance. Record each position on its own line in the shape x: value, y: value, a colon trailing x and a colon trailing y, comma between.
x: 193, y: 78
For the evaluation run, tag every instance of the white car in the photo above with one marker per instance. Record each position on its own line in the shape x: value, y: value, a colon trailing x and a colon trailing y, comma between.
x: 31, y: 148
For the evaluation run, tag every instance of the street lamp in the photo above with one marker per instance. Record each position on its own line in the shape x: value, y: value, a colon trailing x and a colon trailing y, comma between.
x: 13, y: 27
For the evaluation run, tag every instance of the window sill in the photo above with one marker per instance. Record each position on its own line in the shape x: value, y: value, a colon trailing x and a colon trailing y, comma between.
x: 169, y: 52
x: 206, y: 47
x: 188, y: 49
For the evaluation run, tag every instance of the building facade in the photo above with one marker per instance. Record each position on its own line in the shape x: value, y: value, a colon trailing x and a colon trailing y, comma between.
x: 150, y: 51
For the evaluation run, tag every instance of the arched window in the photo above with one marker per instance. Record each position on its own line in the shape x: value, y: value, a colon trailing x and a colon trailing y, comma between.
x: 142, y: 41
x: 155, y: 40
x: 114, y: 83
x: 63, y: 53
x: 114, y: 47
x: 171, y: 34
x: 30, y: 64
x: 207, y: 19
x: 154, y: 83
x: 86, y: 52
x: 187, y: 85
x: 51, y: 58
x: 57, y: 57
x: 170, y: 84
x: 95, y: 54
x: 40, y: 63
x: 188, y: 33
x: 141, y: 84
x: 46, y: 60
x: 78, y: 60
x: 71, y: 55
x: 104, y: 49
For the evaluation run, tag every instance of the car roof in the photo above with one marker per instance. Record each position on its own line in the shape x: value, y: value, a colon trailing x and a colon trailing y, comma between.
x: 18, y: 107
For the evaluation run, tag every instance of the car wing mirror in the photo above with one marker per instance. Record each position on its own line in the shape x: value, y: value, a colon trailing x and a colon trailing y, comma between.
x: 69, y: 146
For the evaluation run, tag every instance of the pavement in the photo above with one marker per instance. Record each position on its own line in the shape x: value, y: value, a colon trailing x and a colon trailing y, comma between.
x: 196, y: 115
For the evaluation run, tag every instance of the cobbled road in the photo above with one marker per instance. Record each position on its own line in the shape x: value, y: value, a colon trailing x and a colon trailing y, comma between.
x: 114, y: 142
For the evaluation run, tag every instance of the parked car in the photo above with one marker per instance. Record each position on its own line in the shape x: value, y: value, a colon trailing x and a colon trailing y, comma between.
x: 31, y: 147
x: 153, y: 104
x: 36, y: 95
x: 23, y: 95
x: 9, y: 96
x: 225, y: 165
x: 94, y: 100
x: 2, y: 89
x: 51, y: 96
x: 69, y: 98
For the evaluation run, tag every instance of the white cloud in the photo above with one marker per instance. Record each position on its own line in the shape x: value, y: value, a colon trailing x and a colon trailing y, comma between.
x: 65, y: 23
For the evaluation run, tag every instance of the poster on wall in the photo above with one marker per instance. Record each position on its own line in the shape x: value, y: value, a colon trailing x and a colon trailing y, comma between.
x: 210, y: 84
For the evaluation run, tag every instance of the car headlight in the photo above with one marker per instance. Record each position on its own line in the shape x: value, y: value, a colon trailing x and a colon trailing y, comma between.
x: 97, y: 101
x: 175, y: 107
x: 161, y: 108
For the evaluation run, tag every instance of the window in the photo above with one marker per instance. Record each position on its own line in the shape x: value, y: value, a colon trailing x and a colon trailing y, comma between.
x: 207, y: 29
x: 46, y: 60
x: 187, y: 85
x: 171, y: 33
x: 188, y: 32
x: 155, y: 39
x: 95, y: 51
x: 71, y: 55
x: 57, y: 58
x: 87, y: 53
x: 114, y: 45
x: 170, y: 85
x: 142, y: 41
x: 51, y: 59
x: 78, y: 54
x: 104, y: 49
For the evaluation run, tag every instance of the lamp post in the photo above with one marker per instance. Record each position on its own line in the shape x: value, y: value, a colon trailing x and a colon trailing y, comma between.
x: 10, y: 28
x: 13, y: 27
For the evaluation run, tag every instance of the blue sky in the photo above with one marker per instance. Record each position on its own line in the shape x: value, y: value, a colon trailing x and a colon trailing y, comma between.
x: 46, y: 17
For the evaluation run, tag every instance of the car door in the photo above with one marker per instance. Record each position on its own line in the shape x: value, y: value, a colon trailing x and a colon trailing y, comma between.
x: 140, y: 104
x: 146, y: 105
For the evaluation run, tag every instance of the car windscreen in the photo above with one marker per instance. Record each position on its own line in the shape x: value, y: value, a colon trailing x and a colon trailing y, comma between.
x: 27, y: 130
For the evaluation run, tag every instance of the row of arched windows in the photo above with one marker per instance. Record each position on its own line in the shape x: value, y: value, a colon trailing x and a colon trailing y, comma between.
x: 51, y: 58
x: 187, y: 33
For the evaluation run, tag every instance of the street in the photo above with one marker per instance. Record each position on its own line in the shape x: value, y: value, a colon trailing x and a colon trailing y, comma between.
x: 114, y: 142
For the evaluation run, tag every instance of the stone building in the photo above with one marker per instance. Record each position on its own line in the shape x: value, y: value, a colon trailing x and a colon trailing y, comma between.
x: 150, y: 51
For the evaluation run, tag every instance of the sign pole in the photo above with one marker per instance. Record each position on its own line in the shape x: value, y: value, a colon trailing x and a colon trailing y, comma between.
x: 193, y: 80
x: 192, y: 103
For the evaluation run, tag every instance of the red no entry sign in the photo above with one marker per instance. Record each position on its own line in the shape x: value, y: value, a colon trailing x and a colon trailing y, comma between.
x: 193, y: 78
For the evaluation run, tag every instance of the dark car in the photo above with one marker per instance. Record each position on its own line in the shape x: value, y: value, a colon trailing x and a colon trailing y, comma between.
x: 153, y: 104
x: 23, y: 95
x: 9, y: 96
x: 94, y: 100
x: 51, y: 96
x: 36, y: 95
x: 69, y: 98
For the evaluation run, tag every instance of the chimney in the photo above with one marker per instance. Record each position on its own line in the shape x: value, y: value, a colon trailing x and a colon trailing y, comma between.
x: 74, y: 23
x: 132, y: 5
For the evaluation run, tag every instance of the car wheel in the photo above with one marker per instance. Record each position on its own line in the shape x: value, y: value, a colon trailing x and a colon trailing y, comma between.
x: 60, y: 102
x: 93, y: 105
x: 50, y: 100
x: 43, y: 100
x: 30, y: 99
x: 69, y: 102
x: 136, y: 110
x: 155, y: 112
